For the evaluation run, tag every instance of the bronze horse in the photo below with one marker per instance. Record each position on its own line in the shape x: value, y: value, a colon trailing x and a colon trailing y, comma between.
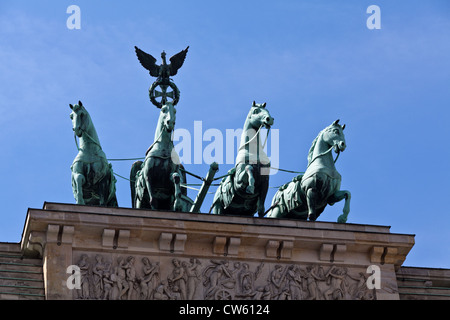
x: 93, y: 182
x: 244, y: 190
x: 307, y: 195
x: 156, y: 182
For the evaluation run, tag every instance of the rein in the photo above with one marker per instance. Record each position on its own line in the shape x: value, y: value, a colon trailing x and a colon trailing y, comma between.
x: 87, y: 135
x: 157, y: 140
x: 324, y: 153
x: 256, y: 134
x: 76, y: 142
x: 154, y: 142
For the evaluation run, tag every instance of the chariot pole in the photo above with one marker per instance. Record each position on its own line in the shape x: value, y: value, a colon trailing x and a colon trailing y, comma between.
x: 213, y: 168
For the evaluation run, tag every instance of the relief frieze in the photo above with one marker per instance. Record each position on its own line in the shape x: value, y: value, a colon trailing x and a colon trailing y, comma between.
x: 128, y: 277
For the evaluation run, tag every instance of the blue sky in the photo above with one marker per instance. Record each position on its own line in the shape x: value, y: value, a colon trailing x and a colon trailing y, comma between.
x: 312, y: 62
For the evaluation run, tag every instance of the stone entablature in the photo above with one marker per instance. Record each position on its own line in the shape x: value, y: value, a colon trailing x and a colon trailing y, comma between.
x: 216, y: 257
x: 416, y: 283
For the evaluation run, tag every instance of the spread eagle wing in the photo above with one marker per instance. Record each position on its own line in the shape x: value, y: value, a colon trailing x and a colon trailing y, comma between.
x: 177, y: 61
x: 148, y: 62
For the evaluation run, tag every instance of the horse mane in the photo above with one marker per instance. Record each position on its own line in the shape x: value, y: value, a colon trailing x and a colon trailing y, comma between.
x: 88, y: 123
x: 313, y: 146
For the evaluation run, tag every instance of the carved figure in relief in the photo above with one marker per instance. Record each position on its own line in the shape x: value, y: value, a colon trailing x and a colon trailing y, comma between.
x: 359, y: 290
x: 193, y: 276
x: 163, y: 292
x: 246, y: 280
x: 83, y: 264
x: 336, y: 279
x: 313, y: 276
x: 177, y: 280
x: 221, y: 279
x: 294, y: 282
x: 121, y: 274
x: 246, y: 283
x: 150, y: 279
x: 107, y: 285
x: 265, y: 292
x: 97, y: 275
x: 218, y: 279
x: 130, y: 271
x: 276, y: 281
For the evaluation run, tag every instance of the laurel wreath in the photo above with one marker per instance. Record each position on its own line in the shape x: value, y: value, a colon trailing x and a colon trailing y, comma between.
x: 152, y: 89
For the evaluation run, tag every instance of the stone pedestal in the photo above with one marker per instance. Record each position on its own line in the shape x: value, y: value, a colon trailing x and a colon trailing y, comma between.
x: 121, y: 253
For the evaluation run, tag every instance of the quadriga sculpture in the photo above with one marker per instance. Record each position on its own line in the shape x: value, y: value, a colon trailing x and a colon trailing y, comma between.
x: 244, y: 190
x: 156, y: 182
x: 307, y: 195
x: 93, y: 182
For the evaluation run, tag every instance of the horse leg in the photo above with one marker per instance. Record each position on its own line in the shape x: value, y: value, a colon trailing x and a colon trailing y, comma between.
x: 138, y: 192
x: 151, y: 200
x: 244, y: 177
x: 142, y: 186
x: 175, y: 177
x: 100, y: 176
x: 135, y: 181
x: 251, y: 180
x: 263, y: 188
x: 311, y: 197
x: 149, y: 163
x: 78, y: 181
x: 139, y: 200
x: 217, y: 206
x: 338, y: 196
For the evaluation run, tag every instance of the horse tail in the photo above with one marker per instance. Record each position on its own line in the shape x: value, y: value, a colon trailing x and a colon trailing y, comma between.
x: 134, y: 170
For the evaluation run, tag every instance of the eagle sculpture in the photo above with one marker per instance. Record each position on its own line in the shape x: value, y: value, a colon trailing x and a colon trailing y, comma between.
x: 164, y: 71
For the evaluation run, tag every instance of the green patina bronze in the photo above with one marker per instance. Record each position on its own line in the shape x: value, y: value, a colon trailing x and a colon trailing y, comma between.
x: 159, y: 182
x: 244, y: 190
x: 156, y: 182
x: 163, y: 73
x: 93, y: 182
x: 307, y: 195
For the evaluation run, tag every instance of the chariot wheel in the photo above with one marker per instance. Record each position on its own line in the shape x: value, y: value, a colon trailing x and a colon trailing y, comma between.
x: 223, y: 294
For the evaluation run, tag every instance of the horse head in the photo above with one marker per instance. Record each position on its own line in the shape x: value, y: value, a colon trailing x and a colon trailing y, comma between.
x: 334, y: 136
x: 167, y: 116
x: 259, y: 116
x: 79, y: 117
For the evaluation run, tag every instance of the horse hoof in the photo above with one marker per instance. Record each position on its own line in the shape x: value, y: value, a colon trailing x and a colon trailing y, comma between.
x: 342, y: 219
x: 250, y: 189
x: 261, y: 212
